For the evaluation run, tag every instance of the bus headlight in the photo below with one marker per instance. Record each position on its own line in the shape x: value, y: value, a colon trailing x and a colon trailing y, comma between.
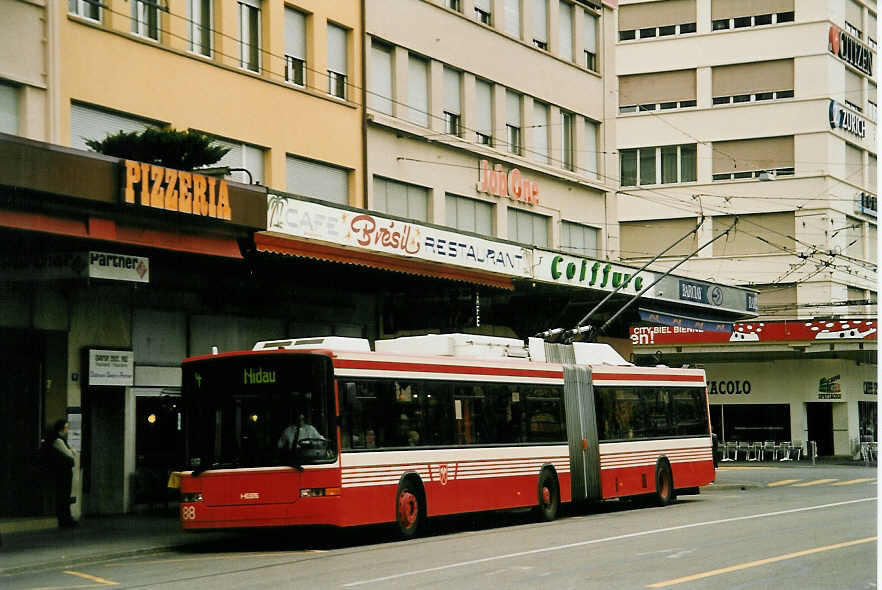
x: 192, y: 497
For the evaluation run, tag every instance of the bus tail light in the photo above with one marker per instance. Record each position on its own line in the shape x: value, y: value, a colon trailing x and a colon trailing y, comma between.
x: 318, y: 492
x: 192, y: 497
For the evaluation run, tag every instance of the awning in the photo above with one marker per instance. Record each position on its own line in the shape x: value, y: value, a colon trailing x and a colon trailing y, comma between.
x: 267, y: 242
x: 694, y: 322
x: 96, y: 228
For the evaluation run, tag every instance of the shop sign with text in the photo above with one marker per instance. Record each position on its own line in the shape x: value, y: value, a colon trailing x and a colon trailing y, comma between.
x: 494, y: 180
x: 75, y: 265
x: 783, y: 331
x: 846, y: 120
x: 850, y: 50
x: 376, y: 233
x: 111, y: 367
x: 155, y: 186
x: 585, y: 272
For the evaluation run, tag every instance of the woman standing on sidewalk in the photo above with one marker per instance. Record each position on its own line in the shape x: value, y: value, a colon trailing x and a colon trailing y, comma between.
x: 62, y: 462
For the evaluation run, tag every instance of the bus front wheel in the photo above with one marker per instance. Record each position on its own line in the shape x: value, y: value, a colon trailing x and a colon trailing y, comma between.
x: 664, y: 484
x: 549, y: 496
x: 408, y: 510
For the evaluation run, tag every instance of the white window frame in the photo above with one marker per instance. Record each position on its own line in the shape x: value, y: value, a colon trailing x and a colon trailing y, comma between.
x: 245, y: 8
x: 195, y: 27
x: 82, y: 8
x: 295, y: 59
x: 141, y: 11
x: 337, y: 80
x: 657, y: 151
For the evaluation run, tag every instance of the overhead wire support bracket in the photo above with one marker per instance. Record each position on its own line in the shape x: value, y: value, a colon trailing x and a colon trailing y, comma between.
x: 669, y: 271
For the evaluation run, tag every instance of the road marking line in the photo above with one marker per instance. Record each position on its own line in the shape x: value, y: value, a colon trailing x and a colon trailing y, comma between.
x: 745, y: 468
x: 603, y: 540
x: 215, y: 557
x: 92, y: 578
x: 750, y: 564
x: 852, y: 481
x: 816, y: 482
x: 783, y: 482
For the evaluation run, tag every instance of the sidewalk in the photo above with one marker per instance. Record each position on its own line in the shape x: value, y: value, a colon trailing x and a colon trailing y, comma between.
x: 97, y: 538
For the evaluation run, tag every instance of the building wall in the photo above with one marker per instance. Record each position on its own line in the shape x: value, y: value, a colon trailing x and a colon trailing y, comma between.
x: 426, y: 156
x: 165, y: 82
x: 796, y: 382
x: 822, y: 194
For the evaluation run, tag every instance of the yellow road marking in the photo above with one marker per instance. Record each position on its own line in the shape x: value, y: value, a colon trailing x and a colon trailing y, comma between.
x: 750, y: 564
x: 783, y: 482
x: 67, y: 587
x: 851, y: 481
x: 92, y: 578
x: 816, y: 482
x: 216, y: 557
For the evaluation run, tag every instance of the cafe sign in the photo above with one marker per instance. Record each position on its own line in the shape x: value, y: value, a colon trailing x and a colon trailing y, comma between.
x: 376, y: 233
x: 155, y: 186
x: 850, y: 50
x: 499, y: 183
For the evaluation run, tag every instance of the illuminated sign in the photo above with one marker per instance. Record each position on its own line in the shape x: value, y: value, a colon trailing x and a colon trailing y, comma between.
x: 175, y: 190
x: 847, y: 120
x: 496, y: 181
x: 850, y: 50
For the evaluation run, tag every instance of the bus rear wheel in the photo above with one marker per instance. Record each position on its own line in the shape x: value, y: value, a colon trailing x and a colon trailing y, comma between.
x: 408, y: 510
x: 549, y: 496
x: 664, y: 484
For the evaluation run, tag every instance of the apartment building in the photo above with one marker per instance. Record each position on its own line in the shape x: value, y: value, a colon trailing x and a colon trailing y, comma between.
x: 761, y: 116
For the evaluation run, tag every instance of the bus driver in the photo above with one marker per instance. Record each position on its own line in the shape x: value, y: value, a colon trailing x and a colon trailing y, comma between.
x: 298, y: 432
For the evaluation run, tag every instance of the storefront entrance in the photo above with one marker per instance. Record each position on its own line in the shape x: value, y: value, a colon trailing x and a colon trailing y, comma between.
x: 21, y: 409
x: 819, y: 420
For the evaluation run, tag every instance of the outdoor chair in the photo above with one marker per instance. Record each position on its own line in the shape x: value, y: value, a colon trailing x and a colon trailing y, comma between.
x: 743, y: 448
x: 769, y: 448
x: 755, y: 451
x: 784, y: 450
x: 796, y: 449
x: 730, y: 451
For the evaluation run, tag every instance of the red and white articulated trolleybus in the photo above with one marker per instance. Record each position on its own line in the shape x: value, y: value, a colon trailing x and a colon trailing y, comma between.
x: 328, y: 431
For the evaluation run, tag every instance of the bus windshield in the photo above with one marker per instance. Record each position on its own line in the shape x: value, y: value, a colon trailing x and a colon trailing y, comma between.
x: 259, y: 410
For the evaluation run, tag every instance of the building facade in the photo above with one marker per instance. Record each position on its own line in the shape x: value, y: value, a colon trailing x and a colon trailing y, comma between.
x: 761, y: 117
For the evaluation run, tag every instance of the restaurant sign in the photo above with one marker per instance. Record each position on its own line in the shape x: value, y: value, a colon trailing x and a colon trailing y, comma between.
x: 155, y: 186
x: 376, y: 233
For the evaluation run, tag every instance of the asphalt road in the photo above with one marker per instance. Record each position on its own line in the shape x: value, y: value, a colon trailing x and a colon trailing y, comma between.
x: 764, y: 527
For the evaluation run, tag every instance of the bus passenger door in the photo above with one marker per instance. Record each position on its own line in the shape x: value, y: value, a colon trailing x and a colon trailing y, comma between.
x: 582, y: 433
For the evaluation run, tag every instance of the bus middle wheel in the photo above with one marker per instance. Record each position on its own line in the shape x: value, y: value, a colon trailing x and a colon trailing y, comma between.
x: 549, y: 496
x: 408, y: 510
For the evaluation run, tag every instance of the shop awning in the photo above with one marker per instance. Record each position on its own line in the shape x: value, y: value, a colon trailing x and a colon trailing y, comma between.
x: 96, y: 228
x: 267, y: 242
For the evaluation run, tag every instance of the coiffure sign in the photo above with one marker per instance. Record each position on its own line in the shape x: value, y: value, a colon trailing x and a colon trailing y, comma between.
x: 850, y: 50
x: 375, y: 233
x: 585, y: 272
x: 847, y: 120
x: 496, y: 181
